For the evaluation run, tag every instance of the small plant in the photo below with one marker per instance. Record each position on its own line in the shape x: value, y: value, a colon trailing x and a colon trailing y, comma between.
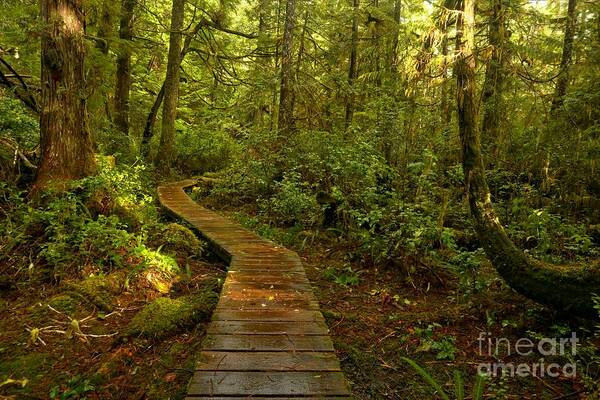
x: 443, y: 347
x: 459, y: 385
x: 76, y: 388
x: 344, y: 277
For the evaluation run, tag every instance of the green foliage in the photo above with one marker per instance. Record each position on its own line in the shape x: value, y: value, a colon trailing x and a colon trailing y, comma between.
x: 443, y: 347
x: 205, y: 150
x: 98, y: 223
x: 292, y: 203
x: 75, y: 388
x: 17, y: 123
x: 459, y: 389
x: 344, y: 277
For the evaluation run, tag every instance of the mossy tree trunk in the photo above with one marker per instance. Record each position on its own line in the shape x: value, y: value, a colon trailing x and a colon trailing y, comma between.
x: 567, y: 52
x: 165, y: 156
x: 66, y: 144
x: 123, y: 75
x: 492, y: 94
x: 564, y: 288
x: 285, y: 121
x: 352, y: 64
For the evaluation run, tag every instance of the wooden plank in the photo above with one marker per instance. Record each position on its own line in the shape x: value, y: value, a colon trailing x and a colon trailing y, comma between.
x: 266, y: 277
x: 267, y: 328
x: 254, y: 304
x: 267, y: 361
x: 268, y: 398
x: 267, y: 343
x: 268, y: 295
x: 267, y: 315
x: 268, y: 384
x: 286, y: 286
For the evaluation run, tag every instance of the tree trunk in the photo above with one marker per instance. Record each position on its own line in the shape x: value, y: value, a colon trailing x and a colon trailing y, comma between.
x: 285, y: 122
x: 299, y: 58
x: 151, y: 119
x: 66, y: 144
x: 564, y: 288
x: 396, y: 39
x: 167, y: 138
x: 352, y: 68
x: 105, y: 28
x: 123, y: 83
x: 492, y: 95
x: 563, y: 78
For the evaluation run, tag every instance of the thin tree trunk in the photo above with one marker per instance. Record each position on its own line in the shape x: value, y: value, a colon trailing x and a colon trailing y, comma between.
x: 562, y: 82
x: 151, y: 119
x: 123, y: 75
x: 104, y: 28
x: 285, y: 122
x: 261, y: 61
x: 274, y: 108
x: 299, y: 59
x: 165, y: 156
x: 565, y: 288
x: 492, y: 95
x: 352, y: 68
x: 396, y: 39
x: 66, y: 144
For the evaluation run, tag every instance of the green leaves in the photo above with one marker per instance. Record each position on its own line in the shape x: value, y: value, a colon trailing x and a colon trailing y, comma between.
x: 459, y: 385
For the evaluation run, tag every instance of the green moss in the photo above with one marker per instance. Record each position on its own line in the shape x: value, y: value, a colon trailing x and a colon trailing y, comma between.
x: 99, y: 290
x: 165, y: 316
x: 64, y: 303
x: 175, y: 239
x: 31, y: 366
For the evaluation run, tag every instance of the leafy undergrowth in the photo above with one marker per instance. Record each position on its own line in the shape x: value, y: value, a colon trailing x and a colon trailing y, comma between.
x: 99, y: 297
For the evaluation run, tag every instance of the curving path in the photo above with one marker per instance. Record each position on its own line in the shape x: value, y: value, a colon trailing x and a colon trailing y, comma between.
x: 267, y: 338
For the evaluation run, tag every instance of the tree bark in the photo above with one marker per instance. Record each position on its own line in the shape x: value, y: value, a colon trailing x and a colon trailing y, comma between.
x: 66, y: 144
x: 123, y: 74
x: 562, y: 82
x: 352, y: 67
x: 299, y: 58
x: 492, y: 95
x: 396, y: 39
x: 166, y: 153
x: 285, y: 121
x: 151, y: 119
x: 565, y: 288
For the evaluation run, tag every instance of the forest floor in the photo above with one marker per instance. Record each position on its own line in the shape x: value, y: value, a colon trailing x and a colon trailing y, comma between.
x: 47, y: 358
x: 376, y: 315
x: 379, y: 314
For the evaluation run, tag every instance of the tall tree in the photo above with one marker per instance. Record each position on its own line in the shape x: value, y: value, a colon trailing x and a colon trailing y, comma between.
x: 66, y: 144
x: 492, y: 95
x: 562, y: 82
x: 565, y: 289
x: 352, y: 63
x: 167, y: 138
x: 286, y: 113
x: 396, y: 37
x: 123, y: 75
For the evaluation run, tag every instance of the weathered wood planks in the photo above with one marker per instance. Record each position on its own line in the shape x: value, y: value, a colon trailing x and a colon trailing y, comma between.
x: 267, y: 336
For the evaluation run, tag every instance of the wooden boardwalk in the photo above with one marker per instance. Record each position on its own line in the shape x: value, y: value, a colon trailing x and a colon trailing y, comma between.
x: 267, y: 338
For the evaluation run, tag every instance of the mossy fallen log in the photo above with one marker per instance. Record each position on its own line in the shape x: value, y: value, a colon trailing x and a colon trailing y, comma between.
x: 166, y: 316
